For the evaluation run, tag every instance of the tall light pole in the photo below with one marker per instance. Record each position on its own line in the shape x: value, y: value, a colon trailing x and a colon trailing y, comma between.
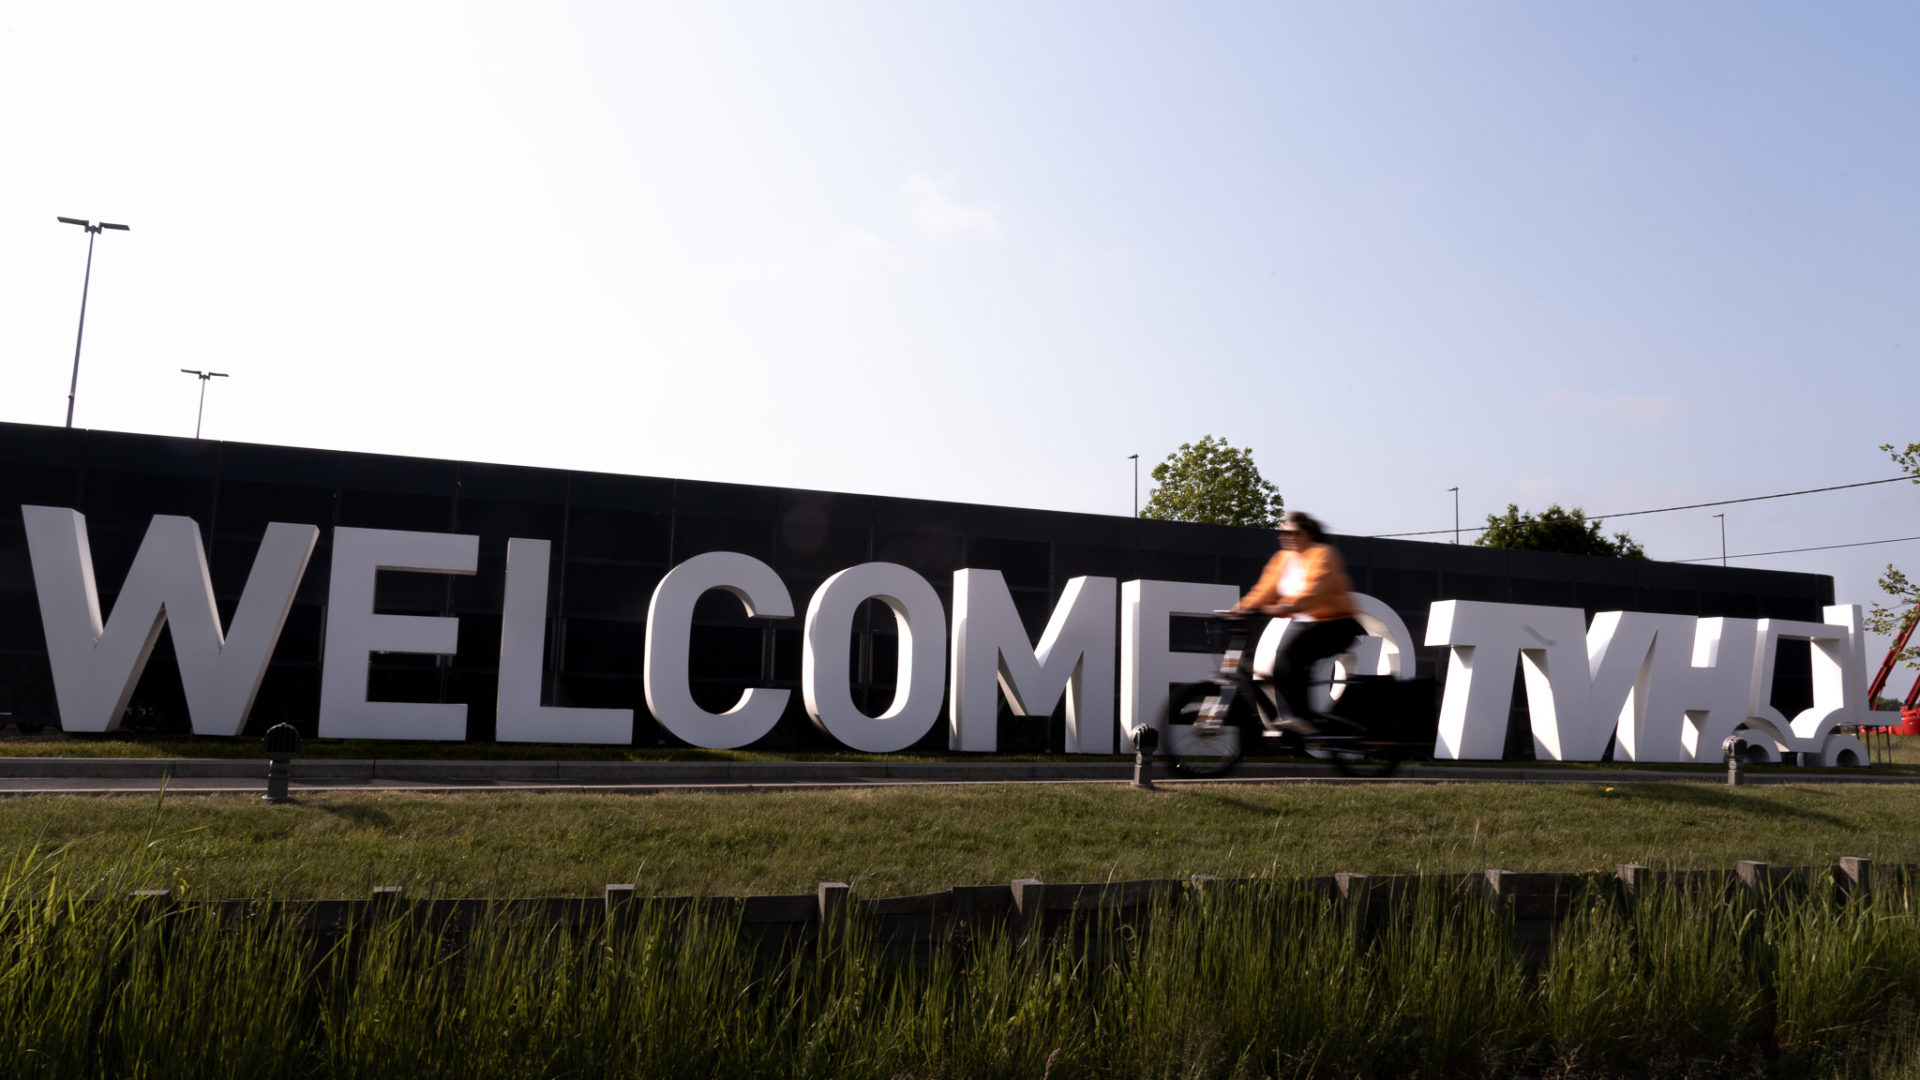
x: 204, y: 377
x: 1135, y: 458
x: 93, y: 229
x: 1723, y: 538
x: 1456, y: 514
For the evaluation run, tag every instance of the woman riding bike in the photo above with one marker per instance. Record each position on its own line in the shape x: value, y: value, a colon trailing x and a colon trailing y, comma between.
x: 1306, y: 583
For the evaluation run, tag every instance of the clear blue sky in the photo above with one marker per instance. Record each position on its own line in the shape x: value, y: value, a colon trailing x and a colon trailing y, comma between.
x: 1614, y: 255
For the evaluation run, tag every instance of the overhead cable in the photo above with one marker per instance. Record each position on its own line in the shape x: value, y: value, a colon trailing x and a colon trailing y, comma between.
x: 1598, y: 518
x: 1793, y: 551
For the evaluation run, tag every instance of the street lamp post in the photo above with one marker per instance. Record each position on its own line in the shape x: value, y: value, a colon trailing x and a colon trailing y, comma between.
x: 93, y: 229
x: 1135, y: 458
x: 1723, y: 538
x: 1456, y: 514
x: 205, y: 376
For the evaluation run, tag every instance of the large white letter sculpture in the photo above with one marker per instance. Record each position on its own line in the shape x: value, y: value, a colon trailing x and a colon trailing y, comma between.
x: 1148, y: 665
x: 1484, y: 641
x: 1669, y: 687
x: 669, y: 625
x: 826, y: 660
x: 1664, y: 687
x: 1839, y: 686
x: 96, y: 666
x: 991, y: 654
x: 1385, y: 649
x: 354, y: 632
x: 523, y: 638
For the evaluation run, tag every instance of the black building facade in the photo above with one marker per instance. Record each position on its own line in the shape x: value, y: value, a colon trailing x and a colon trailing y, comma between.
x: 613, y: 537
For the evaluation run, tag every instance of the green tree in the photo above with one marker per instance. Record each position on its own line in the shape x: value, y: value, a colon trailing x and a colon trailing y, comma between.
x: 1212, y: 483
x: 1891, y: 619
x: 1555, y: 529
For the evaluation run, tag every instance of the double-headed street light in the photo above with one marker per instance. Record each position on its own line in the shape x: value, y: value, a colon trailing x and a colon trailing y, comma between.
x: 93, y: 229
x: 204, y: 377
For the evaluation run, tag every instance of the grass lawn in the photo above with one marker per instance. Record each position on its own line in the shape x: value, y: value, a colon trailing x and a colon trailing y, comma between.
x: 897, y: 841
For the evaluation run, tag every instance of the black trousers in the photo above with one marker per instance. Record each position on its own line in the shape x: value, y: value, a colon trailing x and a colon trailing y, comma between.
x: 1305, y: 647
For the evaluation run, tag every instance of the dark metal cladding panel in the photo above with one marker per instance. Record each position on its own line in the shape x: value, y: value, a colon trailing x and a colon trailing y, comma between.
x: 1082, y: 560
x: 1596, y: 598
x: 1260, y: 544
x: 485, y: 588
x: 1492, y: 588
x: 399, y: 475
x: 36, y: 484
x: 614, y: 537
x: 816, y: 545
x: 602, y: 645
x: 1092, y: 530
x: 1007, y: 523
x: 1176, y: 537
x: 16, y: 570
x: 282, y: 465
x: 248, y: 506
x: 496, y: 521
x: 408, y: 511
x: 1545, y: 592
x: 920, y: 516
x: 1540, y: 566
x: 1178, y: 566
x: 803, y: 508
x: 618, y: 534
x: 1740, y: 605
x: 609, y: 492
x: 608, y: 591
x: 512, y: 483
x: 1610, y: 572
x: 695, y: 534
x: 724, y: 500
x: 1021, y: 562
x: 131, y: 499
x: 1403, y: 589
x: 933, y: 556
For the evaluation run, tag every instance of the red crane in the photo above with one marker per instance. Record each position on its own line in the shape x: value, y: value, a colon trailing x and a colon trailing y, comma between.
x: 1909, y: 715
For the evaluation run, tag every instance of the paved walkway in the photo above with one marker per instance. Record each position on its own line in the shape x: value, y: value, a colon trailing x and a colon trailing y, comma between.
x: 100, y: 776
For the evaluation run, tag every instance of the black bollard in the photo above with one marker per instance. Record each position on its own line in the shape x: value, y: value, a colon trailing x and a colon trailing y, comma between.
x: 282, y: 742
x: 1734, y: 749
x: 1145, y: 739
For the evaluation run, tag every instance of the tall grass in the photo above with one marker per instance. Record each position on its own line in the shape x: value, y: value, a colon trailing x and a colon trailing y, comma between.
x: 1271, y: 979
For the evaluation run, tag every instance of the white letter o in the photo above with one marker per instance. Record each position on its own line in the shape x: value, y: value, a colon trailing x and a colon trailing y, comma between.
x: 824, y: 663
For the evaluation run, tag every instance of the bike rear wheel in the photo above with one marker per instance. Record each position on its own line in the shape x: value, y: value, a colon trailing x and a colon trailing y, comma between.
x: 1191, y: 753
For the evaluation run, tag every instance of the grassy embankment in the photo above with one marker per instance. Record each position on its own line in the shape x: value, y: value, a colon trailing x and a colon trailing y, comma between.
x: 1266, y: 982
x: 896, y: 841
x: 1271, y: 983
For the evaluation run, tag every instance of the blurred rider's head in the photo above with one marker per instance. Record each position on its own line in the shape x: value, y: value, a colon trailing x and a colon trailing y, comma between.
x: 1298, y: 530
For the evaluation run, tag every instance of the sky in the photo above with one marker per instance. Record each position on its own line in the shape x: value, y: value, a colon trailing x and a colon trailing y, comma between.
x: 1618, y: 256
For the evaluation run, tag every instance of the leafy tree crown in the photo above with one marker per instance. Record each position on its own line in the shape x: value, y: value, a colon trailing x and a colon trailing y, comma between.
x: 1890, y: 619
x: 1555, y: 529
x: 1213, y: 483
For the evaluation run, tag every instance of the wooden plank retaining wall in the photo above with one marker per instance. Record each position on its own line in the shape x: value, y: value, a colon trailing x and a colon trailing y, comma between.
x: 1534, y: 903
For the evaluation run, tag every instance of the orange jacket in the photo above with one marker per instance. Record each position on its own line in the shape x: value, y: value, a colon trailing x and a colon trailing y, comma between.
x: 1328, y: 593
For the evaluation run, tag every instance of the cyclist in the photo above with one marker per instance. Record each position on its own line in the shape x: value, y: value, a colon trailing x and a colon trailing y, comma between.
x: 1305, y: 582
